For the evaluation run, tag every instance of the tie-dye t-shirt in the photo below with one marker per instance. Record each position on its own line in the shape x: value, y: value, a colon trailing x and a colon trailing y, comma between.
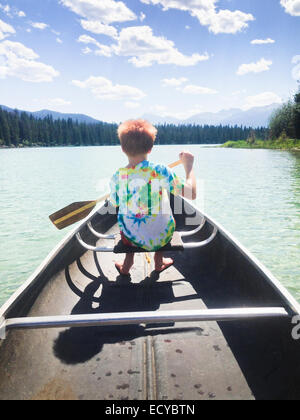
x: 142, y: 195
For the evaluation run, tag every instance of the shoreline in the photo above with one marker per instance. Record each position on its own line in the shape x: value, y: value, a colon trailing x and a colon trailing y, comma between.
x: 53, y: 147
x: 228, y: 145
x: 289, y: 145
x: 102, y: 145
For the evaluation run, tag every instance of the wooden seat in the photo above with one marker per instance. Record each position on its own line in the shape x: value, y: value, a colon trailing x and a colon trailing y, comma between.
x: 175, y: 244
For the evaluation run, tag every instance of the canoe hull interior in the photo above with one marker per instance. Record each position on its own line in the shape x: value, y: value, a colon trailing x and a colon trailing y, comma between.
x: 229, y: 360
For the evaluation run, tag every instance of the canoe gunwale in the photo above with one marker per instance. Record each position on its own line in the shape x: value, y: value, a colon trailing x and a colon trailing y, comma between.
x: 178, y: 247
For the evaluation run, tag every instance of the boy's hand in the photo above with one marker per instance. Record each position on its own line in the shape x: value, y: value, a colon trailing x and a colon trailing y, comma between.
x: 187, y: 160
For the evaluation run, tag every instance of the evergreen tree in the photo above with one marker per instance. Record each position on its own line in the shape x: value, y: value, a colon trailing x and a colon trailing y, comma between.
x: 297, y: 114
x: 22, y: 128
x: 287, y: 119
x: 5, y: 131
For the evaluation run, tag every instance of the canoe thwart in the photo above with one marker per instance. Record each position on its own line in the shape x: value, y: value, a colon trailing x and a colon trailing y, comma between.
x: 193, y: 232
x: 137, y: 318
x: 202, y: 244
x: 98, y: 234
x: 92, y: 248
x: 175, y: 245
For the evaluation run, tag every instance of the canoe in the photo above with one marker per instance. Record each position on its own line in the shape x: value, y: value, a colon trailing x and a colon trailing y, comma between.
x: 217, y: 325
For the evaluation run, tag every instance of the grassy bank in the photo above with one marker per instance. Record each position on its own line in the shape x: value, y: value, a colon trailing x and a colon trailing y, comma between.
x: 287, y: 144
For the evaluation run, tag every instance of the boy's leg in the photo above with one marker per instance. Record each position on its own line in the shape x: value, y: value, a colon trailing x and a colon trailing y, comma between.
x: 127, y: 264
x: 162, y: 263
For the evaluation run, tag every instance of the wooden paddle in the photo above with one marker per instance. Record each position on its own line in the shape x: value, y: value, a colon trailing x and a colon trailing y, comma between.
x: 78, y: 211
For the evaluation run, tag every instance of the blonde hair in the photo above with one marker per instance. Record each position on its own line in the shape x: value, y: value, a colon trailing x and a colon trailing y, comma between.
x: 137, y: 137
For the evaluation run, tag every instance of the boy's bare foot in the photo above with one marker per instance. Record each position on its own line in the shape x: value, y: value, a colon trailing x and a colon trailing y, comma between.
x: 125, y: 268
x: 127, y: 265
x: 162, y: 264
x: 122, y: 270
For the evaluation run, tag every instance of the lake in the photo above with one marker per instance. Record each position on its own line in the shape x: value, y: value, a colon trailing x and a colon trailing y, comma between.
x: 255, y: 194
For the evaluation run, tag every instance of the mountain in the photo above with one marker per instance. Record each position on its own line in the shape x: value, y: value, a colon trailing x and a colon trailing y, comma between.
x: 156, y: 119
x: 81, y: 118
x: 254, y: 117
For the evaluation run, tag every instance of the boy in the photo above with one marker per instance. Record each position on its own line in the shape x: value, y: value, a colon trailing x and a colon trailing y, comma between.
x: 140, y: 191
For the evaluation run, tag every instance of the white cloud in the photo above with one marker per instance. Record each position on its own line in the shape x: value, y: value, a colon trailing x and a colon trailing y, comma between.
x: 39, y: 25
x: 197, y: 90
x: 218, y: 21
x: 104, y: 11
x: 165, y: 112
x: 58, y: 102
x: 5, y: 8
x: 5, y: 30
x: 98, y: 28
x: 87, y: 50
x: 11, y: 11
x: 146, y: 49
x: 296, y: 69
x: 263, y: 41
x: 296, y: 59
x: 226, y: 22
x: 10, y: 49
x: 174, y: 82
x: 292, y: 7
x: 16, y: 60
x: 103, y: 50
x: 142, y: 17
x: 262, y: 99
x: 103, y: 88
x: 59, y: 41
x: 132, y: 105
x: 260, y: 66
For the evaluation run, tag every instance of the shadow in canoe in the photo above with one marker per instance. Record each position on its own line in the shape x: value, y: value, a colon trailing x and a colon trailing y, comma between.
x: 264, y: 349
x: 78, y: 345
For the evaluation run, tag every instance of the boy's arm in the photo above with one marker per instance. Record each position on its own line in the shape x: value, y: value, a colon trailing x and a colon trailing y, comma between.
x: 190, y: 187
x: 114, y: 196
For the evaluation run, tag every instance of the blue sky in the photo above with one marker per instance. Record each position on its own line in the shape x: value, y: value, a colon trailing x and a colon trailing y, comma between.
x: 115, y: 60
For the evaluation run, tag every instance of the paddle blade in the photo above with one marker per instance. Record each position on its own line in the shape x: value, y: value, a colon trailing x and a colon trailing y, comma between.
x: 72, y: 214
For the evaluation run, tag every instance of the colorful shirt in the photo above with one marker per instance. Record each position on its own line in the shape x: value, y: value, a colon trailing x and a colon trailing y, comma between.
x: 141, y: 193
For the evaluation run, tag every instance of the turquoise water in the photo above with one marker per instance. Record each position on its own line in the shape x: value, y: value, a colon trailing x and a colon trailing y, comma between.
x: 255, y: 194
